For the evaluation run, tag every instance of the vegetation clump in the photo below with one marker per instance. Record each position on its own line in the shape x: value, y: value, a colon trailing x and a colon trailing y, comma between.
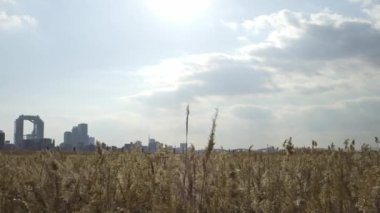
x: 329, y: 181
x: 290, y: 180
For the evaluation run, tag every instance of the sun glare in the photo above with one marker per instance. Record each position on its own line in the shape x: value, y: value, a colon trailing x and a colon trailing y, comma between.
x: 178, y: 10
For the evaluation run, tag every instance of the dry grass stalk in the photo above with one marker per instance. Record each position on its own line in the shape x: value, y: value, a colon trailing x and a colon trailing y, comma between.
x: 327, y: 181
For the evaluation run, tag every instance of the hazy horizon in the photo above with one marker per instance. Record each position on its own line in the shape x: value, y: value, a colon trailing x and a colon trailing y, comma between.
x: 307, y: 70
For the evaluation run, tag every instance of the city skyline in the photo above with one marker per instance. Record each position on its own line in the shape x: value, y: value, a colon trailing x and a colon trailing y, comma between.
x: 279, y: 69
x: 78, y: 139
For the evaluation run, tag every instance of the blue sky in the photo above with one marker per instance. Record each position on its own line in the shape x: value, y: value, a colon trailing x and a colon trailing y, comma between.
x: 275, y: 69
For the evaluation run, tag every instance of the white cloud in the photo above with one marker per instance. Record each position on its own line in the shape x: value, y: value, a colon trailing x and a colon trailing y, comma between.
x: 322, y: 54
x: 186, y: 79
x: 310, y: 75
x: 324, y: 40
x: 14, y: 21
x: 374, y: 13
x: 8, y: 21
x: 281, y: 24
x: 372, y: 9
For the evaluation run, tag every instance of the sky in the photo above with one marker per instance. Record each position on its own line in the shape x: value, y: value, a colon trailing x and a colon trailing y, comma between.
x: 309, y: 70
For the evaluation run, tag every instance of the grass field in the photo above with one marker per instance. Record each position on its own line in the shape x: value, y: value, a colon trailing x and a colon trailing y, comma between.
x: 305, y: 181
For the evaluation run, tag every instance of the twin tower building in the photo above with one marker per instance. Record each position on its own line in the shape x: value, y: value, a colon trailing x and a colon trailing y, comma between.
x: 34, y: 140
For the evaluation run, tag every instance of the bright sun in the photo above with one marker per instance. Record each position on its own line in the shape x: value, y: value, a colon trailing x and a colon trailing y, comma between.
x: 178, y: 10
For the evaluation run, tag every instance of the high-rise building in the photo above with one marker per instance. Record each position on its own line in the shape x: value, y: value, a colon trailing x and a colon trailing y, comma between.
x: 152, y: 145
x: 83, y: 133
x: 77, y: 139
x: 36, y: 134
x: 75, y: 134
x: 34, y: 140
x: 83, y: 129
x: 80, y: 134
x: 68, y: 137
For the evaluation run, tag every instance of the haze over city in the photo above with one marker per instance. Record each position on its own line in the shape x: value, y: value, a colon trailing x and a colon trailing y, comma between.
x: 274, y: 69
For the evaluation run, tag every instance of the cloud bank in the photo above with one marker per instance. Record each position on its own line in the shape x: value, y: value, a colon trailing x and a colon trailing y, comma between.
x: 14, y: 21
x: 314, y: 76
x: 8, y: 21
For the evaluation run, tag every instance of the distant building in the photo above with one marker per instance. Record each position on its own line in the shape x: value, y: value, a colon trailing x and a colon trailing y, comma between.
x: 78, y: 139
x: 37, y: 133
x: 9, y: 146
x: 37, y: 144
x: 145, y: 149
x: 68, y: 137
x: 269, y: 149
x: 128, y: 146
x: 159, y: 146
x: 91, y: 140
x: 83, y: 134
x: 2, y: 139
x: 154, y: 146
x: 182, y: 147
x: 138, y: 144
x: 133, y: 146
x: 34, y: 140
